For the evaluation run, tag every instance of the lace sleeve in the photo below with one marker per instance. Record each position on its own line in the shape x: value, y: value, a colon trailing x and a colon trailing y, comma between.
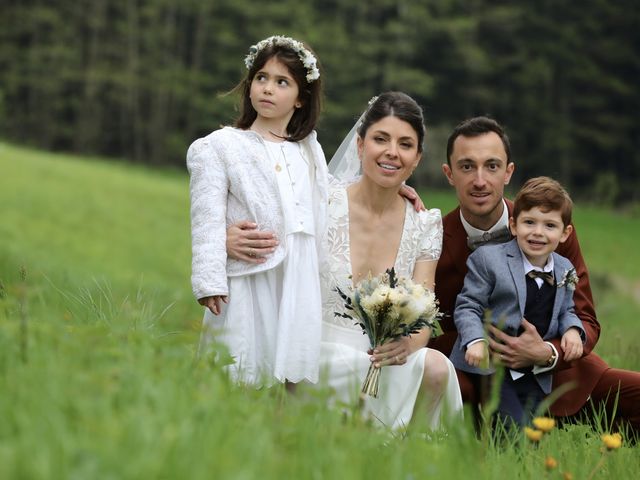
x: 430, y: 223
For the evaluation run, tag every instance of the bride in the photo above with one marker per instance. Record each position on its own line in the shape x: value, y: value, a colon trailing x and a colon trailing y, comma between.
x: 371, y: 228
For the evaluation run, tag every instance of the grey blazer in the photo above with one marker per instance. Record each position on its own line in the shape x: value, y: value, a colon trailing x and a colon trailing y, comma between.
x: 496, y: 283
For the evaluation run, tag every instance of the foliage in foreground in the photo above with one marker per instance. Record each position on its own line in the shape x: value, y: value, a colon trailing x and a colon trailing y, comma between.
x: 102, y: 391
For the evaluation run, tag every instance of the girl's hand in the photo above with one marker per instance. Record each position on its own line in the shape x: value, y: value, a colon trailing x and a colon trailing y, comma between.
x: 213, y: 303
x: 391, y: 353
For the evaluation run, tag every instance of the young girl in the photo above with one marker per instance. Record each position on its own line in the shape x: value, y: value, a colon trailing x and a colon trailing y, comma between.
x: 271, y: 170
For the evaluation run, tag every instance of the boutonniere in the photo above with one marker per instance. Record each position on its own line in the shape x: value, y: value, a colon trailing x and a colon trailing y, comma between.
x: 569, y: 279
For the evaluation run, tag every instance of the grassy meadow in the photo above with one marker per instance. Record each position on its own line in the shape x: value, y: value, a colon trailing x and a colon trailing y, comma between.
x: 98, y: 333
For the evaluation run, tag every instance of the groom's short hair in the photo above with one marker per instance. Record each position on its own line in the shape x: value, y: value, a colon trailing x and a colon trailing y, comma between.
x: 545, y: 193
x: 474, y: 127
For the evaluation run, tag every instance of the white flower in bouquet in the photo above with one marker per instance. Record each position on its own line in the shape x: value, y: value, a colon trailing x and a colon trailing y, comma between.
x: 375, y: 300
x: 387, y: 307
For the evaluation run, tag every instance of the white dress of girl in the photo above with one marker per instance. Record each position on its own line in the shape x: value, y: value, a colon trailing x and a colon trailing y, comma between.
x: 272, y: 323
x: 344, y: 361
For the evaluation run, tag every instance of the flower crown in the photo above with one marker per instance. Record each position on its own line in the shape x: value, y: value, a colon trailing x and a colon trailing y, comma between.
x: 306, y: 57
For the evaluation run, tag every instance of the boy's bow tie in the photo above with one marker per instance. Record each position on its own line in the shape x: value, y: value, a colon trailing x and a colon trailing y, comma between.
x: 501, y: 235
x: 546, y: 276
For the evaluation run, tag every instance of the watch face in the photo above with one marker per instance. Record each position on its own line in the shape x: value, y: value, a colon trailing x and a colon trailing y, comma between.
x: 553, y: 357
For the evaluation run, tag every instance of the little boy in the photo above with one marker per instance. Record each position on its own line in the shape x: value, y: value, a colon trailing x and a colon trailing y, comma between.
x: 523, y: 278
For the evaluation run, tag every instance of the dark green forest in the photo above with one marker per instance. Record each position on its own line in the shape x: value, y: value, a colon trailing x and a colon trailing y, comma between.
x: 140, y: 79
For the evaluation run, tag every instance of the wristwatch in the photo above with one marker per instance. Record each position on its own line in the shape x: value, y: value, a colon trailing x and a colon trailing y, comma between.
x: 552, y: 359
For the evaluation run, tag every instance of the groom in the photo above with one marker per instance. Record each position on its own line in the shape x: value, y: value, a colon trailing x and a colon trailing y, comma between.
x: 479, y: 166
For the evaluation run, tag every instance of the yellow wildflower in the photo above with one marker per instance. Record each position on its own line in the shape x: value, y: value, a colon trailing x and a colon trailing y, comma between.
x: 612, y: 441
x: 545, y: 424
x: 550, y: 463
x: 533, y: 434
x: 567, y: 476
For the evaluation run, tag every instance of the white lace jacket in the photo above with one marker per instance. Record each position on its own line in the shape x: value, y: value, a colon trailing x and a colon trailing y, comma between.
x: 231, y: 181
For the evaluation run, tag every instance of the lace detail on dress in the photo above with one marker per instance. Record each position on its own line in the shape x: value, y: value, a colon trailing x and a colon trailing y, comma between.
x: 421, y: 240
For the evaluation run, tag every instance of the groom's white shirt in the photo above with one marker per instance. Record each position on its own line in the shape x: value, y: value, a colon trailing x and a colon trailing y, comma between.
x: 502, y: 222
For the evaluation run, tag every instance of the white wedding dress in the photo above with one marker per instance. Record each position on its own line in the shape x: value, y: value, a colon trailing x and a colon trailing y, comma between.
x: 344, y: 361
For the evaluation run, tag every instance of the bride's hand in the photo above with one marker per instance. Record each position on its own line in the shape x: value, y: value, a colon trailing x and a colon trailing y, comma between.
x: 391, y: 353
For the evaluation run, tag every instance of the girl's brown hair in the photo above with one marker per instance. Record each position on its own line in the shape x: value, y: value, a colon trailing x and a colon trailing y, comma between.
x: 304, y: 119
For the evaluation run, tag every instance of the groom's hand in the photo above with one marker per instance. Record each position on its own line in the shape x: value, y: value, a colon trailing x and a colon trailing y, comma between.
x: 526, y: 350
x: 410, y: 194
x: 245, y: 242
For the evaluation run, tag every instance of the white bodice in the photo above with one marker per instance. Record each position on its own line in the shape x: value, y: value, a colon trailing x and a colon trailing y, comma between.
x: 421, y: 240
x: 294, y: 176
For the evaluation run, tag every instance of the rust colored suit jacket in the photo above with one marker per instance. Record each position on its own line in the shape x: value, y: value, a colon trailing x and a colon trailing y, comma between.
x: 450, y: 273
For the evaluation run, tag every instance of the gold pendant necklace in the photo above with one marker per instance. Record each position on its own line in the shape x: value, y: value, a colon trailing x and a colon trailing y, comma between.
x: 278, y: 166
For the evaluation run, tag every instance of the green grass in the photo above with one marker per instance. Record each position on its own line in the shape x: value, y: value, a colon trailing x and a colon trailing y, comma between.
x: 75, y: 220
x: 98, y: 377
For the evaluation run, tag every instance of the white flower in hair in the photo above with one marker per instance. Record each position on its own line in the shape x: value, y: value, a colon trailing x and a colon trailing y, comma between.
x: 306, y: 57
x: 364, y: 114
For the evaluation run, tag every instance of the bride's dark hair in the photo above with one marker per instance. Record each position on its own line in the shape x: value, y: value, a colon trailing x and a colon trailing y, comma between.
x: 394, y: 104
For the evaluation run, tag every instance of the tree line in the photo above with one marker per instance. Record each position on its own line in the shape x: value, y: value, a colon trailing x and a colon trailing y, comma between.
x: 140, y: 79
